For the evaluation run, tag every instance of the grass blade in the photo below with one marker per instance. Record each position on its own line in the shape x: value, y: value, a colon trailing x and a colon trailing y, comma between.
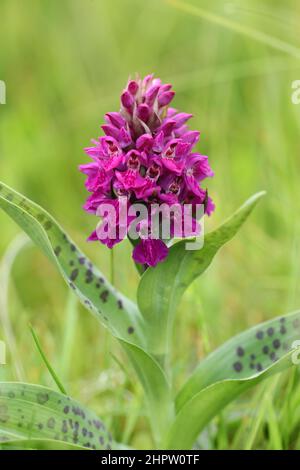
x: 46, y: 362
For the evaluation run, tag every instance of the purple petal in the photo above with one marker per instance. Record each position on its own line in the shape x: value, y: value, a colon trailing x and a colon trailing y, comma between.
x: 165, y: 98
x: 133, y: 87
x: 143, y: 112
x: 181, y: 118
x: 150, y: 252
x: 127, y: 100
x: 115, y: 119
x: 144, y: 142
x: 152, y: 94
x: 110, y: 130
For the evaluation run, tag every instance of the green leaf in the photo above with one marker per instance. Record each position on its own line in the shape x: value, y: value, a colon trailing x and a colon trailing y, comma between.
x: 162, y: 287
x: 31, y: 412
x: 238, y: 365
x: 158, y: 391
x: 36, y: 444
x: 115, y: 311
x: 244, y: 355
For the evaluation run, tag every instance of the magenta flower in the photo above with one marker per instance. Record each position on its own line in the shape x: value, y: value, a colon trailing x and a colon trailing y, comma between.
x: 147, y: 157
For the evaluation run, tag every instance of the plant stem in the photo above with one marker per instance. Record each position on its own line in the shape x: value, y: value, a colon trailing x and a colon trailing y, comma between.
x: 112, y: 267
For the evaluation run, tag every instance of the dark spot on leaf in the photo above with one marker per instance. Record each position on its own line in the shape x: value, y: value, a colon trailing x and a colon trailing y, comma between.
x: 130, y: 330
x: 276, y: 343
x: 260, y: 334
x: 51, y: 423
x: 97, y: 423
x: 42, y: 398
x: 238, y: 366
x: 266, y: 349
x: 104, y: 295
x: 57, y: 250
x: 270, y: 331
x: 64, y: 427
x: 273, y: 356
x: 48, y: 225
x: 74, y: 274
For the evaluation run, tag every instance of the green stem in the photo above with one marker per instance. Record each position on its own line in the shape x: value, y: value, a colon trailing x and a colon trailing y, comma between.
x: 112, y: 267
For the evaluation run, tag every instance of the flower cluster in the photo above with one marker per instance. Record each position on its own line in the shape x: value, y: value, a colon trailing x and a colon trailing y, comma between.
x: 147, y: 157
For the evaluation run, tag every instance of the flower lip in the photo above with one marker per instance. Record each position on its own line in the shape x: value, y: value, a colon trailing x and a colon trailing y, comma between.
x: 153, y: 172
x: 133, y: 161
x: 175, y: 186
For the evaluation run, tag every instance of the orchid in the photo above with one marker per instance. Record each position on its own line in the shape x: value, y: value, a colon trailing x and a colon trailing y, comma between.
x: 146, y: 155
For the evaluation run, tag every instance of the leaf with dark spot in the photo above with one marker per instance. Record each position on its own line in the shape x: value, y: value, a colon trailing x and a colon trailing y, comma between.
x: 60, y: 249
x: 30, y: 412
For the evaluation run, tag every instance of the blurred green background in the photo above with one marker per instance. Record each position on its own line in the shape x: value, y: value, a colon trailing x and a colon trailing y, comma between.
x: 64, y: 64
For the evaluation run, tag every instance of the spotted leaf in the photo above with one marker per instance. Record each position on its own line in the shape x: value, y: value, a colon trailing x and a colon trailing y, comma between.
x: 162, y: 287
x: 113, y: 309
x: 31, y: 412
x: 238, y: 365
